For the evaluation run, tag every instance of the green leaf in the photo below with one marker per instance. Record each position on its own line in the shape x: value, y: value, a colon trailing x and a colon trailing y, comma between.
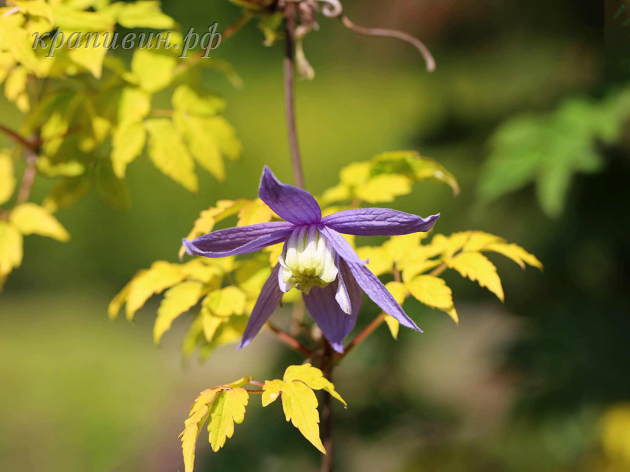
x: 153, y: 70
x: 227, y: 408
x: 111, y: 188
x: 7, y: 177
x: 170, y: 155
x: 67, y: 192
x: 127, y: 143
x: 177, y: 300
x: 30, y: 218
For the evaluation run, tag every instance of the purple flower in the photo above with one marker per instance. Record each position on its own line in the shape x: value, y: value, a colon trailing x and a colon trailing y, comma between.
x: 316, y: 258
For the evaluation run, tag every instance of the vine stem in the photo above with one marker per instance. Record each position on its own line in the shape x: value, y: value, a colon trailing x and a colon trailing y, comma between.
x: 289, y: 94
x: 28, y: 178
x: 327, y: 365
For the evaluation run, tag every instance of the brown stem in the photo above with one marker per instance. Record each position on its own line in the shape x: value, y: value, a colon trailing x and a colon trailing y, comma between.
x: 327, y: 366
x: 290, y: 340
x: 289, y: 94
x: 16, y: 137
x: 438, y: 270
x: 386, y: 33
x: 255, y: 391
x: 369, y: 329
x: 28, y: 179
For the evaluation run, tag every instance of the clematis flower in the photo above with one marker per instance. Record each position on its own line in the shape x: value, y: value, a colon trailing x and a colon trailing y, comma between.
x: 316, y: 258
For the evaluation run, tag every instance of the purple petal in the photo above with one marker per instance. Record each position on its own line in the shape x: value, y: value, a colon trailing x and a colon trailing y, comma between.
x: 240, y: 240
x: 380, y: 295
x: 289, y: 202
x: 342, y: 246
x: 378, y: 222
x: 342, y: 295
x: 267, y: 302
x: 321, y: 304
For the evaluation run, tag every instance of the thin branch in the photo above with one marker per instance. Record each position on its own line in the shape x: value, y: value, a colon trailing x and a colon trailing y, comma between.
x: 369, y: 329
x: 290, y: 340
x: 386, y: 33
x: 289, y: 94
x: 438, y: 270
x: 28, y: 179
x: 255, y: 391
x: 16, y: 137
x: 258, y: 384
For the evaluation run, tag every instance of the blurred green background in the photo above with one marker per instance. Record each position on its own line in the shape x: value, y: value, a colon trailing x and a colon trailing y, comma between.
x: 521, y: 386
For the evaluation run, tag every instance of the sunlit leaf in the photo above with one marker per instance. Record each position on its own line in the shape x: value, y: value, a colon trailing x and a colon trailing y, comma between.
x: 335, y: 194
x: 30, y: 218
x: 15, y: 40
x: 227, y: 409
x: 379, y: 260
x: 198, y: 416
x: 399, y: 246
x: 144, y: 284
x: 127, y: 144
x: 170, y: 155
x: 188, y: 101
x: 142, y: 14
x: 10, y: 249
x: 313, y: 377
x: 134, y: 105
x: 433, y: 292
x: 177, y: 300
x: 203, y: 145
x: 225, y: 302
x: 208, y: 218
x: 477, y: 267
x: 383, y: 188
x: 516, y: 253
x: 153, y: 70
x: 7, y: 176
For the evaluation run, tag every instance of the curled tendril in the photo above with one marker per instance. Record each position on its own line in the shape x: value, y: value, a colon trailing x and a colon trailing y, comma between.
x: 331, y: 8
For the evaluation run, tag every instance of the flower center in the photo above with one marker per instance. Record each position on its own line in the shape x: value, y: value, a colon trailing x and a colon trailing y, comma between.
x: 307, y: 260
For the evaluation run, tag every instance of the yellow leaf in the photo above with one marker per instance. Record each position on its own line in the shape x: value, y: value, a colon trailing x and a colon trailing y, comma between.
x: 398, y: 291
x: 399, y: 247
x: 419, y: 267
x: 133, y: 106
x: 91, y: 58
x: 30, y: 218
x: 251, y: 276
x: 211, y: 324
x: 7, y: 177
x: 394, y: 326
x: 383, y: 188
x: 431, y: 291
x: 153, y: 70
x: 203, y: 146
x: 274, y: 253
x: 271, y: 392
x: 177, y: 300
x: 127, y: 143
x: 15, y: 39
x: 225, y: 302
x: 516, y: 253
x: 10, y: 248
x: 145, y: 14
x: 227, y: 408
x: 300, y: 407
x: 478, y: 240
x: 355, y: 174
x: 194, y: 423
x: 203, y: 271
x: 208, y: 218
x: 379, y: 260
x: 477, y: 267
x: 225, y: 136
x: 313, y: 377
x: 169, y: 154
x: 186, y: 100
x: 146, y: 283
x: 254, y: 213
x: 337, y: 193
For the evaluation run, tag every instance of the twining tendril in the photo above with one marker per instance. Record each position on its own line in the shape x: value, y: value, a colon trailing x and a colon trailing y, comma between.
x: 386, y: 33
x: 331, y: 8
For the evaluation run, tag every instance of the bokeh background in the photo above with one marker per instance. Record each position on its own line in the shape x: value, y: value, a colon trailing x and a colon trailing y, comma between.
x: 539, y: 383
